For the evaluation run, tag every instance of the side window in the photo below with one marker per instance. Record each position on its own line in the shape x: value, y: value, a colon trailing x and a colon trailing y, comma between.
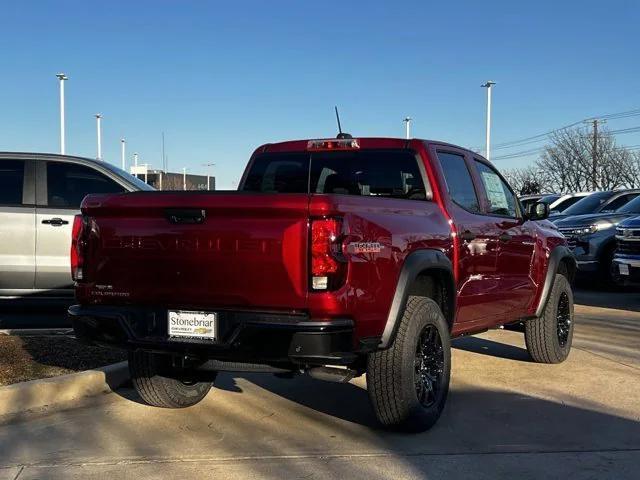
x: 619, y: 202
x: 11, y: 182
x: 278, y: 173
x: 501, y: 200
x: 69, y: 183
x: 459, y: 183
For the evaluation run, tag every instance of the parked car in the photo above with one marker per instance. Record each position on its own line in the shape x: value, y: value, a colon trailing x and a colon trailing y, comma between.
x: 39, y: 196
x: 565, y: 201
x: 598, y: 202
x: 529, y: 200
x: 364, y: 253
x: 625, y: 267
x: 592, y: 238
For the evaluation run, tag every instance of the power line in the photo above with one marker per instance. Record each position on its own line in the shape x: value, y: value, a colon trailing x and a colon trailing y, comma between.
x: 542, y: 136
x: 523, y: 153
x: 625, y: 130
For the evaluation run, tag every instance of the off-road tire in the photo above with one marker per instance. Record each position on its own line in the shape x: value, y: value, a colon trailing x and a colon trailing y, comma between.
x: 162, y: 391
x: 541, y: 335
x: 391, y: 373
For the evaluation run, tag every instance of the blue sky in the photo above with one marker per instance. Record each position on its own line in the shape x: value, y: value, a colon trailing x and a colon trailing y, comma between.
x: 220, y: 78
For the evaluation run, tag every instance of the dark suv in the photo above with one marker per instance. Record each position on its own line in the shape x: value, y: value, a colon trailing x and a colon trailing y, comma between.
x: 626, y: 260
x: 593, y: 238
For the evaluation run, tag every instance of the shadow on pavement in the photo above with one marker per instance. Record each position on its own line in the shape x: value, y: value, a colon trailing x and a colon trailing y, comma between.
x: 616, y: 297
x: 274, y: 420
x: 485, y: 346
x: 17, y: 314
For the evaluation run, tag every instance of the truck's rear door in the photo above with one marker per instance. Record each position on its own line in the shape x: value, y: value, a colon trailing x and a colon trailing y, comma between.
x: 198, y: 249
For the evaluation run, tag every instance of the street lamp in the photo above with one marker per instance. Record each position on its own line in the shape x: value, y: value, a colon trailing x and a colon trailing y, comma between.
x: 99, y: 134
x: 209, y: 176
x: 407, y: 121
x: 62, y: 77
x: 122, y: 154
x: 488, y: 86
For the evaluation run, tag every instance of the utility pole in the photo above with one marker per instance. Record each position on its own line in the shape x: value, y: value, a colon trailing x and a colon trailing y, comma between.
x: 407, y: 122
x: 594, y: 155
x: 488, y: 86
x: 62, y: 77
x: 99, y: 134
x: 209, y: 176
x: 164, y: 158
x: 123, y: 154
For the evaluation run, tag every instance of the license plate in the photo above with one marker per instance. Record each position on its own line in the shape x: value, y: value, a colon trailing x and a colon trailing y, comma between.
x: 190, y: 324
x: 624, y: 268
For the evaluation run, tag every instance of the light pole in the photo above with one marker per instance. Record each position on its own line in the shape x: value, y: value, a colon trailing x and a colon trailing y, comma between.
x: 407, y: 122
x: 184, y: 178
x: 62, y: 77
x: 122, y: 154
x: 488, y: 86
x: 99, y: 134
x: 209, y: 176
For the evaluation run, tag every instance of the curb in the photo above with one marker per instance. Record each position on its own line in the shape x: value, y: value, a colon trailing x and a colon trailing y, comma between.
x: 65, y: 389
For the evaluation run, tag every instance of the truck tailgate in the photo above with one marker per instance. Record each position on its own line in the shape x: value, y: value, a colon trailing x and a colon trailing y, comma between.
x: 250, y: 251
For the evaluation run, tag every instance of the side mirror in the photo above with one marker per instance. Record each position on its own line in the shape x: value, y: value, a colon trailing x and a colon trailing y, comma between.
x: 538, y: 211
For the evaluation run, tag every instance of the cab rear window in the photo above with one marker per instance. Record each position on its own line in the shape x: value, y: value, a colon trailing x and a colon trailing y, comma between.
x: 381, y: 173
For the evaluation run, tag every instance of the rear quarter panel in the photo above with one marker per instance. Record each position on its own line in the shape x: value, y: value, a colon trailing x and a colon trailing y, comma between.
x: 400, y: 227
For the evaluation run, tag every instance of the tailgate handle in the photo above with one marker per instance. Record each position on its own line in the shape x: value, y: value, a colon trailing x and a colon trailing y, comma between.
x: 186, y: 215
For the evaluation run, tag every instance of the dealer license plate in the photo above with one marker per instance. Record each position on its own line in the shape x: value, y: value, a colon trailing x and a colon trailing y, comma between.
x: 190, y: 324
x: 624, y: 268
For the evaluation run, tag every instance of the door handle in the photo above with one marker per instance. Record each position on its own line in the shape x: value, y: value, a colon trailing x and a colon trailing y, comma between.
x: 505, y: 237
x: 467, y: 236
x: 55, y: 222
x: 186, y: 215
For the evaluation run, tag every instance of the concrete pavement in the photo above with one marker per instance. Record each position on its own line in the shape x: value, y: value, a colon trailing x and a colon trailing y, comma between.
x: 506, y: 416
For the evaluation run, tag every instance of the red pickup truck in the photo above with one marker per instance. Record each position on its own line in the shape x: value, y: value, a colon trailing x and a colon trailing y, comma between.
x: 335, y: 257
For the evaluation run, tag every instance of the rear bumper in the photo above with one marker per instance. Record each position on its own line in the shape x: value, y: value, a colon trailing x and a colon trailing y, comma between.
x: 244, y: 337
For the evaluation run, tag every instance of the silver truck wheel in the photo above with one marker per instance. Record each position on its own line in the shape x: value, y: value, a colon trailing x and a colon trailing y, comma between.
x: 160, y: 391
x: 408, y: 383
x: 549, y: 337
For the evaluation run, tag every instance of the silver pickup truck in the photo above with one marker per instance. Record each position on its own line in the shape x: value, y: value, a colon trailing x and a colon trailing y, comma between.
x: 39, y: 196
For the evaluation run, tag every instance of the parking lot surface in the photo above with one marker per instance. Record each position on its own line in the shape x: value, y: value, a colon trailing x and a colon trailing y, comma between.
x: 506, y: 416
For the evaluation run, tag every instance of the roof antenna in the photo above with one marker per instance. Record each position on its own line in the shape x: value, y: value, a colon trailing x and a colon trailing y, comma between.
x: 340, y: 134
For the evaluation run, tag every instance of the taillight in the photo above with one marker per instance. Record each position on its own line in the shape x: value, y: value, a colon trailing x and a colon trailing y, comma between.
x: 327, y: 264
x: 334, y: 144
x: 77, y: 248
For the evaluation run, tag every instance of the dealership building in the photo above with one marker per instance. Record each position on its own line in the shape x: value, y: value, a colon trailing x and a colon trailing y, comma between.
x: 161, y: 180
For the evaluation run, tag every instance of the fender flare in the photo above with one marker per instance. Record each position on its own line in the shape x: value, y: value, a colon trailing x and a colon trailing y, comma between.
x: 415, y: 263
x: 557, y: 255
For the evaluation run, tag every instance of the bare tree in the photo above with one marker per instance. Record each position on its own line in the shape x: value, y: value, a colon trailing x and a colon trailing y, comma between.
x: 566, y: 165
x: 525, y: 180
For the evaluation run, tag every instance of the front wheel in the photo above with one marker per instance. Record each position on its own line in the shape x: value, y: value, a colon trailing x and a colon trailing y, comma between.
x: 408, y: 383
x: 549, y: 337
x: 159, y: 390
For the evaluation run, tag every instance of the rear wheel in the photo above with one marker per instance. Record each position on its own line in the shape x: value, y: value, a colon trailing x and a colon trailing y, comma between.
x: 159, y: 390
x: 408, y: 383
x: 549, y: 337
